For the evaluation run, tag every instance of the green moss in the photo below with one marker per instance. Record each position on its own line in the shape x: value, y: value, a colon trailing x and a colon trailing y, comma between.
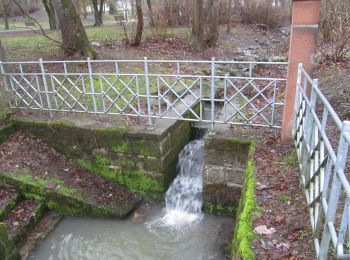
x: 7, y: 247
x: 6, y: 132
x: 243, y: 232
x: 136, y: 180
x: 7, y: 208
x: 41, y: 182
x: 219, y: 209
x: 121, y: 148
x: 65, y: 209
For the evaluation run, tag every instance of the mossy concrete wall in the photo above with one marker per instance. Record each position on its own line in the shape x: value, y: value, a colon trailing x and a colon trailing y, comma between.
x: 8, y: 250
x: 224, y: 165
x: 144, y: 161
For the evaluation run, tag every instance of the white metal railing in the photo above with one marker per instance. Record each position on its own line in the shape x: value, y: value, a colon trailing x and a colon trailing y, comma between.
x: 152, y: 88
x: 322, y: 142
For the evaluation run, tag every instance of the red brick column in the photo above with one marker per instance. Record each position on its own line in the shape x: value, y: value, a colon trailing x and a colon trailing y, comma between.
x: 302, y: 47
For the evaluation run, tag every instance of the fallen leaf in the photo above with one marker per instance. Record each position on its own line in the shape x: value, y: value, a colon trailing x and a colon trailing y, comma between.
x: 263, y: 230
x: 283, y: 247
x: 279, y: 219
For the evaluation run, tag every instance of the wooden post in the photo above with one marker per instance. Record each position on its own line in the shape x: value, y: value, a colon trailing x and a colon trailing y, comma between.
x: 304, y: 29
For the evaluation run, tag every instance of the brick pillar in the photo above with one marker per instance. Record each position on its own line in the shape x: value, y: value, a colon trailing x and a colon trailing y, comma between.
x: 302, y: 47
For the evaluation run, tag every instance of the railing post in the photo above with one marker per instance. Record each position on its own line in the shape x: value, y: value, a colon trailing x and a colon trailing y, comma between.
x: 212, y: 92
x: 45, y: 86
x: 342, y: 153
x: 92, y: 85
x: 149, y: 110
x: 6, y: 80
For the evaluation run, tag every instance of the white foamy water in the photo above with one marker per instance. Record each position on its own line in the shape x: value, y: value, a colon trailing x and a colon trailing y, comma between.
x: 184, y: 196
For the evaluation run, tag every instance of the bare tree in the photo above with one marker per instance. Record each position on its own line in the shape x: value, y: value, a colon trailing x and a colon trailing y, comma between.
x: 4, y: 7
x: 150, y: 13
x: 213, y: 34
x: 74, y: 38
x: 335, y: 27
x: 50, y: 13
x: 139, y: 28
x: 197, y: 32
x: 228, y: 28
x: 98, y: 11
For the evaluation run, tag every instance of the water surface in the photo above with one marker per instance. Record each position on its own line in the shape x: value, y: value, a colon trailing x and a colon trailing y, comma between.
x: 142, y: 236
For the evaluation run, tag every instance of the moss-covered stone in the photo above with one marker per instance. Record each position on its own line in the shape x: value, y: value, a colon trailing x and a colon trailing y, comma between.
x: 220, y: 210
x: 8, y: 250
x: 64, y: 200
x: 6, y: 132
x: 37, y: 214
x: 139, y: 181
x: 5, y: 209
x: 243, y: 232
x: 144, y: 162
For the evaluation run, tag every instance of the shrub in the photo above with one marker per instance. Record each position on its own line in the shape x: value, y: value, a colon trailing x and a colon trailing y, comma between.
x: 335, y: 28
x: 263, y: 12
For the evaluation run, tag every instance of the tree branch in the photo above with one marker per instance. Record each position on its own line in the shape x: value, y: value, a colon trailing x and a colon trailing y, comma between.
x: 43, y: 33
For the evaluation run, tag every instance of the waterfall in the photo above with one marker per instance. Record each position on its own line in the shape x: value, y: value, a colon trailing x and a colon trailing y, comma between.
x: 184, y: 196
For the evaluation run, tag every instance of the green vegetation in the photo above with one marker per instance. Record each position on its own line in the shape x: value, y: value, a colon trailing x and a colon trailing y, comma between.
x: 7, y: 247
x: 243, y: 232
x: 139, y: 181
x: 219, y: 209
x: 6, y: 132
x: 291, y: 160
x: 21, y: 46
x: 284, y: 198
x: 41, y: 182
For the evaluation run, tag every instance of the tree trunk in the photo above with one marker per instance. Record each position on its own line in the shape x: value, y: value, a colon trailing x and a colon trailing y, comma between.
x: 228, y: 29
x: 4, y: 8
x: 74, y: 38
x: 50, y: 13
x: 139, y: 29
x: 197, y: 33
x: 111, y: 8
x: 150, y: 13
x: 214, y: 28
x: 85, y: 14
x: 98, y: 12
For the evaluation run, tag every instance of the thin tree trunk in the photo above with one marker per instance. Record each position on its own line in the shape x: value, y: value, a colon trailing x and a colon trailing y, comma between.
x: 85, y: 14
x: 111, y: 8
x: 213, y: 35
x: 98, y: 11
x: 197, y: 33
x: 150, y: 13
x: 4, y: 8
x: 139, y: 29
x: 74, y: 38
x: 228, y: 29
x: 50, y: 13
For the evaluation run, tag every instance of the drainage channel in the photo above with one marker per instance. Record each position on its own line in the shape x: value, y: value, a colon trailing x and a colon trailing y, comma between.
x: 172, y: 228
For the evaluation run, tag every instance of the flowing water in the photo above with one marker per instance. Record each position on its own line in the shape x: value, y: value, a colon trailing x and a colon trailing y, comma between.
x: 177, y: 231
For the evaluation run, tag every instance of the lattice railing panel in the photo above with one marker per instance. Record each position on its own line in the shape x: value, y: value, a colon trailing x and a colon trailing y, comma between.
x: 322, y: 142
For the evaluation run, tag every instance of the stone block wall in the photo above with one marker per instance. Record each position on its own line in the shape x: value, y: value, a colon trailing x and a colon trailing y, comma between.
x: 224, y: 166
x: 144, y: 161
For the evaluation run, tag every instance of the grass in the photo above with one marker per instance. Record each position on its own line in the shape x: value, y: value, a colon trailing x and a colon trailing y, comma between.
x: 291, y: 160
x: 283, y: 197
x: 23, y: 47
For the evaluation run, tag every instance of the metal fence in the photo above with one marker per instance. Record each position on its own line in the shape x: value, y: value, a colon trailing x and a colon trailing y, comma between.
x: 231, y: 92
x: 322, y: 142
